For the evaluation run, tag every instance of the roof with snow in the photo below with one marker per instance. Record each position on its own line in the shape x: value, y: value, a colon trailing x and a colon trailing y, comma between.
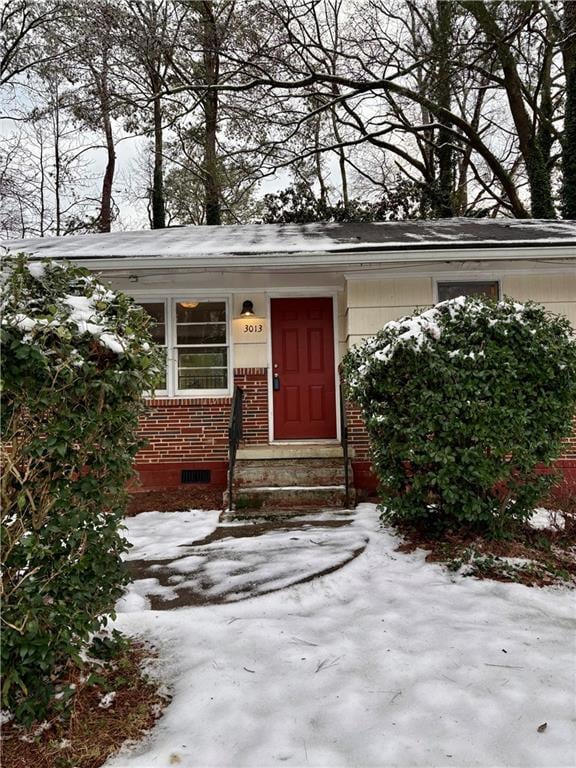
x: 206, y: 243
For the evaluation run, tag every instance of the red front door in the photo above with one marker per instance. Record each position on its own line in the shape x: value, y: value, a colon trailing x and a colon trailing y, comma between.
x: 303, y: 393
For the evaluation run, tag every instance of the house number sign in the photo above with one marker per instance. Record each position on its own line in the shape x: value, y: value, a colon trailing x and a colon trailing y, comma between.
x: 249, y: 329
x: 252, y: 328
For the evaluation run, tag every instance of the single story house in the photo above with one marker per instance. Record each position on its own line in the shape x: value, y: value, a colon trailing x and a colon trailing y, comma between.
x: 271, y: 309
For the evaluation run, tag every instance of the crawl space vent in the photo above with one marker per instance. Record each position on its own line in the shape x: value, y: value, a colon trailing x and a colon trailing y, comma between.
x: 195, y: 476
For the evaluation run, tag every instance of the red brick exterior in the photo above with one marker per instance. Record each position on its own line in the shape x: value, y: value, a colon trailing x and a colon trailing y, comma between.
x: 568, y: 461
x: 570, y: 451
x: 364, y: 478
x: 192, y: 433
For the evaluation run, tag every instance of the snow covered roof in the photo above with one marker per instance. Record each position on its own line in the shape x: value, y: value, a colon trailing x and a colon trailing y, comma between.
x: 209, y: 244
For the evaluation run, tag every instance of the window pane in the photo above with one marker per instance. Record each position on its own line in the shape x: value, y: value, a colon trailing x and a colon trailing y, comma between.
x: 204, y: 368
x: 207, y: 357
x: 161, y: 383
x: 203, y: 312
x: 209, y: 333
x: 154, y: 309
x: 156, y: 312
x: 202, y: 378
x: 467, y: 288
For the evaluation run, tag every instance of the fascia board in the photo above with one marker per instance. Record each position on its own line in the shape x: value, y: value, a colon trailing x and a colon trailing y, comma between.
x: 326, y: 259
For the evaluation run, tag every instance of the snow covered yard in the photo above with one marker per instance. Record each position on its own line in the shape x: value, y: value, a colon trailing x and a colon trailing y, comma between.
x: 388, y: 661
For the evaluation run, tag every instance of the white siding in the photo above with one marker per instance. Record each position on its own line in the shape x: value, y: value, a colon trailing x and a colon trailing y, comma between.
x: 556, y: 292
x: 373, y: 303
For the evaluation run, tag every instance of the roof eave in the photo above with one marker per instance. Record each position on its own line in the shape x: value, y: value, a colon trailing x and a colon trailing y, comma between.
x: 332, y: 259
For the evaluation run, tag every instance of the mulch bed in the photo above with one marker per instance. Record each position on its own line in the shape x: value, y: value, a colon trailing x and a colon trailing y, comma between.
x: 90, y: 733
x: 551, y: 552
x: 174, y: 500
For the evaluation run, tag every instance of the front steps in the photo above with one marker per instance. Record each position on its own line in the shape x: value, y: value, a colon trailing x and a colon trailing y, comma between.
x: 295, y: 476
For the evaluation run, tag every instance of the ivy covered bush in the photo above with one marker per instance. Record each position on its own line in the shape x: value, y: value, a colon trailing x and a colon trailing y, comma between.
x: 76, y: 359
x: 463, y: 404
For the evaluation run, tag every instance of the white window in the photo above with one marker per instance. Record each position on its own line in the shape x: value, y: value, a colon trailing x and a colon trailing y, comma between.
x: 454, y: 288
x: 157, y: 311
x: 195, y: 334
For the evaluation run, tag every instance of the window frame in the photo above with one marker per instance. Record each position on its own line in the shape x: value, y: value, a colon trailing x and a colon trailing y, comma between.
x: 470, y: 280
x: 140, y: 300
x: 170, y: 303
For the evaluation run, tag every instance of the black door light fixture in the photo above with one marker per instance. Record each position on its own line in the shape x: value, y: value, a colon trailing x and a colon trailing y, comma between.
x: 247, y: 309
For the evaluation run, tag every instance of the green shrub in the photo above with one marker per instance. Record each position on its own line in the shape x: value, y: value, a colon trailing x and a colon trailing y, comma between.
x: 462, y: 404
x: 76, y: 360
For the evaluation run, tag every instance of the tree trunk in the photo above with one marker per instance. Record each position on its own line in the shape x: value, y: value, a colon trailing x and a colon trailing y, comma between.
x: 341, y: 159
x: 105, y: 216
x: 546, y: 118
x: 537, y: 169
x: 461, y: 186
x: 444, y: 197
x: 57, y: 169
x: 336, y: 10
x: 318, y: 163
x: 569, y: 139
x: 42, y: 185
x: 211, y: 72
x: 158, y: 207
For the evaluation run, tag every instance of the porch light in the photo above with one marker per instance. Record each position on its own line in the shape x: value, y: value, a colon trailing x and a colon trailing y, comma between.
x: 247, y: 309
x: 189, y: 304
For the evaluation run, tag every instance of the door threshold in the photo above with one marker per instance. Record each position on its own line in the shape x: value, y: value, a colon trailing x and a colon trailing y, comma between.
x: 311, y: 441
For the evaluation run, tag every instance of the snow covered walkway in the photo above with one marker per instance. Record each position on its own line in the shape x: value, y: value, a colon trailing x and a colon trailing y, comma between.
x: 191, y: 558
x: 389, y: 661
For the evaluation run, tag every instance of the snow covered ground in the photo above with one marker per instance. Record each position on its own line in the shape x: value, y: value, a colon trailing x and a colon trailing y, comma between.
x: 192, y: 558
x: 388, y: 661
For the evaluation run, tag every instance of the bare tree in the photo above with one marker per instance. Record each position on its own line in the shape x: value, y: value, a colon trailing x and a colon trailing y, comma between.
x: 382, y: 70
x: 501, y: 34
x: 567, y: 34
x: 22, y: 23
x: 466, y: 106
x: 151, y: 29
x: 93, y: 32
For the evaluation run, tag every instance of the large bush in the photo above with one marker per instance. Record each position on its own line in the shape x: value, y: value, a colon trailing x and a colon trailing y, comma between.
x: 464, y: 404
x: 76, y: 360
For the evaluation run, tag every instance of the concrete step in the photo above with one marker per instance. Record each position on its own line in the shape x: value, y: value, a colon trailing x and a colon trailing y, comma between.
x: 250, y: 473
x: 289, y: 476
x: 293, y: 450
x: 263, y: 498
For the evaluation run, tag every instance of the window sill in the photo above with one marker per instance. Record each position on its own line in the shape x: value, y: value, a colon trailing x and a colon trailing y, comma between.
x: 184, y: 400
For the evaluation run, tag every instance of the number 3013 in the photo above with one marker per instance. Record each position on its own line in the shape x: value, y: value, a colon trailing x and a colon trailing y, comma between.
x: 253, y: 327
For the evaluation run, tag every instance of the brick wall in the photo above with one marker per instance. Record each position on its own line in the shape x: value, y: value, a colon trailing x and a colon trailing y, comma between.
x: 363, y: 477
x: 362, y: 468
x: 254, y: 382
x: 192, y: 433
x: 357, y: 435
x: 568, y: 461
x: 570, y: 450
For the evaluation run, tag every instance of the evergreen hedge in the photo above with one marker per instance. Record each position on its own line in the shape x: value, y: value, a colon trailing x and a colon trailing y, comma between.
x: 77, y: 358
x: 464, y: 404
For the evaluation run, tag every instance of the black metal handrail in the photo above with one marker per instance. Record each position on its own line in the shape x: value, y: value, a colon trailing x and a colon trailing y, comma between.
x: 234, y: 437
x: 344, y: 431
